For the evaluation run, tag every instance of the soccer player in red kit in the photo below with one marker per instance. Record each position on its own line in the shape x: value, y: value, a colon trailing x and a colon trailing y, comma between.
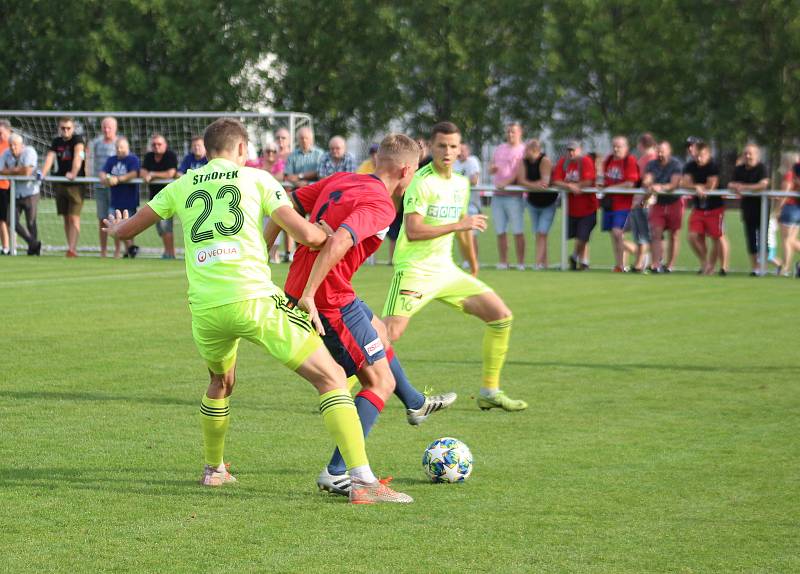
x: 358, y: 208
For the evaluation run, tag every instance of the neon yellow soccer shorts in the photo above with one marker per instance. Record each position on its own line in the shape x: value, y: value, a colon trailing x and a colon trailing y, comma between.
x: 268, y: 322
x: 412, y: 289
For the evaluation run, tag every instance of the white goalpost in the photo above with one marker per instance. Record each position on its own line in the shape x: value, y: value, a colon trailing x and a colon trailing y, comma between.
x: 38, y: 128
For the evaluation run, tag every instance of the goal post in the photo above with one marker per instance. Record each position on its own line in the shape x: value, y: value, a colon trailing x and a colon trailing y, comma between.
x: 38, y: 128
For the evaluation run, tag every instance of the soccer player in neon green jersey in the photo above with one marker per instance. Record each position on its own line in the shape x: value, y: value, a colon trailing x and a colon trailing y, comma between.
x: 424, y: 270
x: 231, y: 295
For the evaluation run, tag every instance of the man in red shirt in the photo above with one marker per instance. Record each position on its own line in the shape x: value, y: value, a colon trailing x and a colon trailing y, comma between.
x: 620, y: 170
x: 573, y: 173
x: 360, y: 208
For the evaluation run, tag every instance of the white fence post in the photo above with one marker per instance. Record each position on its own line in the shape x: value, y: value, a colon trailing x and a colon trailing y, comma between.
x: 564, y: 229
x: 763, y: 230
x: 12, y: 219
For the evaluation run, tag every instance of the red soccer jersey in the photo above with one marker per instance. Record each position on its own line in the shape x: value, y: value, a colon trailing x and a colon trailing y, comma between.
x: 358, y: 203
x: 580, y: 204
x: 619, y: 171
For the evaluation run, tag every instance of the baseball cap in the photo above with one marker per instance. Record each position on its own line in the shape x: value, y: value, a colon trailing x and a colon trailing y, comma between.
x: 374, y: 148
x: 573, y: 144
x: 691, y: 140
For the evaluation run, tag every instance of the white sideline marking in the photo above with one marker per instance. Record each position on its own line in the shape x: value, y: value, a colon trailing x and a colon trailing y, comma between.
x: 116, y: 276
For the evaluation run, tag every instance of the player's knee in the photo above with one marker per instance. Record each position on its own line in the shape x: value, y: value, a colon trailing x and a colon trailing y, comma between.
x: 502, y: 313
x: 333, y: 376
x: 394, y: 331
x: 380, y: 329
x: 223, y: 382
x: 382, y: 386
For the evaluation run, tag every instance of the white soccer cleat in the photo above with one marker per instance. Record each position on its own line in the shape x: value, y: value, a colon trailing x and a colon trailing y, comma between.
x: 216, y: 476
x: 334, y: 483
x: 432, y: 404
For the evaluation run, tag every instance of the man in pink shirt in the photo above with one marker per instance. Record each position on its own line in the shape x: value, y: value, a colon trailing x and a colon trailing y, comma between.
x: 508, y: 206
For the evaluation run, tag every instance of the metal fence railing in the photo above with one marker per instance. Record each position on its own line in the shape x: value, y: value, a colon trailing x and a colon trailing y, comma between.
x: 564, y: 197
x: 725, y: 193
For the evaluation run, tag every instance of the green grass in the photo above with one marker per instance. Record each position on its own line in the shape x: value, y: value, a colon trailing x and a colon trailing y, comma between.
x: 661, y: 436
x: 52, y: 234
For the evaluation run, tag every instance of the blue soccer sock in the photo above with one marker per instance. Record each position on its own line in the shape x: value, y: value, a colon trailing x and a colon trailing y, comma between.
x: 405, y: 391
x: 369, y: 406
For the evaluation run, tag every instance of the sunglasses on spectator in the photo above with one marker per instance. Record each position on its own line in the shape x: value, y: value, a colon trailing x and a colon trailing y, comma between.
x: 271, y: 151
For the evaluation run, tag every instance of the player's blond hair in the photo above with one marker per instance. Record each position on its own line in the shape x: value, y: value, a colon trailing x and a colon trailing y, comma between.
x: 398, y: 149
x: 224, y: 134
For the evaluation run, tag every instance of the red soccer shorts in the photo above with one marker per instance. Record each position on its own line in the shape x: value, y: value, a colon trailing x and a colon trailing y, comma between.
x: 667, y: 217
x: 707, y: 222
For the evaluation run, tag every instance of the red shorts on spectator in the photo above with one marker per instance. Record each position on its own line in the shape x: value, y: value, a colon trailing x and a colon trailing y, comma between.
x: 707, y: 222
x: 667, y: 217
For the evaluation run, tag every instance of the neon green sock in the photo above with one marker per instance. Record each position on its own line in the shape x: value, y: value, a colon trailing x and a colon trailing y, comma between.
x: 495, y: 347
x: 341, y: 419
x: 214, y: 420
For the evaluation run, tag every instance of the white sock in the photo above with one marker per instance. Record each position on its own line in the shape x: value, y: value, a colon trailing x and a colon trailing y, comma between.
x: 362, y: 473
x: 488, y: 393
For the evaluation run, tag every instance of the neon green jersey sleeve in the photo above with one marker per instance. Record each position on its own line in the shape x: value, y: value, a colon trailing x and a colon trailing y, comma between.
x: 162, y: 203
x: 416, y: 200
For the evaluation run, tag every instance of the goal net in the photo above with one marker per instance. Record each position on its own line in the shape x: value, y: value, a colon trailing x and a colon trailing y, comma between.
x: 38, y: 128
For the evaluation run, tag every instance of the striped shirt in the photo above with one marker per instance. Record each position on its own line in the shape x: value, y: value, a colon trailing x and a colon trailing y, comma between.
x: 300, y: 162
x: 100, y: 150
x: 328, y: 167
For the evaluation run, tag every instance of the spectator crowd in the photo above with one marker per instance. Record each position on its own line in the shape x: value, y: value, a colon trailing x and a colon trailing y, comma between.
x: 523, y: 178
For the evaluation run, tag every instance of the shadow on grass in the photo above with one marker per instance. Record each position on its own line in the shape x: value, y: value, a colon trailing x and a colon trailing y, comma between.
x: 135, y: 482
x: 760, y: 369
x: 92, y: 396
x: 95, y: 396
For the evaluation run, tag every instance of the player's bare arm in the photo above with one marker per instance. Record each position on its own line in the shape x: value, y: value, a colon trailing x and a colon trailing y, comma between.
x: 418, y: 230
x: 271, y: 233
x: 298, y: 227
x: 120, y: 226
x: 331, y: 254
x: 468, y: 250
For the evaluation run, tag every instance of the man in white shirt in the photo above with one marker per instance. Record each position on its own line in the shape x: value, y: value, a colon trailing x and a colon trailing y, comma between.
x: 469, y: 166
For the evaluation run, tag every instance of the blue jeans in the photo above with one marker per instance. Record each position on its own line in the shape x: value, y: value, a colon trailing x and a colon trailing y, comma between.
x: 542, y: 218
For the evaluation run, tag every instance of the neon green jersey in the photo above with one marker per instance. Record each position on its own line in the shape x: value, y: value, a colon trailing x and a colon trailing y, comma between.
x: 440, y: 201
x: 222, y: 207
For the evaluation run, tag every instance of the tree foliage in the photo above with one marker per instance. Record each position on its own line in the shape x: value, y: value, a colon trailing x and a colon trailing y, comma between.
x: 725, y: 70
x: 138, y: 55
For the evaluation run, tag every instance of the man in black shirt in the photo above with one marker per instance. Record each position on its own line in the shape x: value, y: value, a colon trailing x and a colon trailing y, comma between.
x: 702, y: 176
x: 68, y: 149
x: 160, y: 163
x: 751, y: 175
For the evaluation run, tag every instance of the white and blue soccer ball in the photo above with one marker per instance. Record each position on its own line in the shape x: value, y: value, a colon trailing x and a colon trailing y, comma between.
x: 447, y: 459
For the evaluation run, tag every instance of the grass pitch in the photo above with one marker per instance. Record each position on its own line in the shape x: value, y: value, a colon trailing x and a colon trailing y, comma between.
x: 661, y: 436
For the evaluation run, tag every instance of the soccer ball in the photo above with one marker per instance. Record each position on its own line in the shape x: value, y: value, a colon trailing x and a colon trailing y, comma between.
x: 447, y: 460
